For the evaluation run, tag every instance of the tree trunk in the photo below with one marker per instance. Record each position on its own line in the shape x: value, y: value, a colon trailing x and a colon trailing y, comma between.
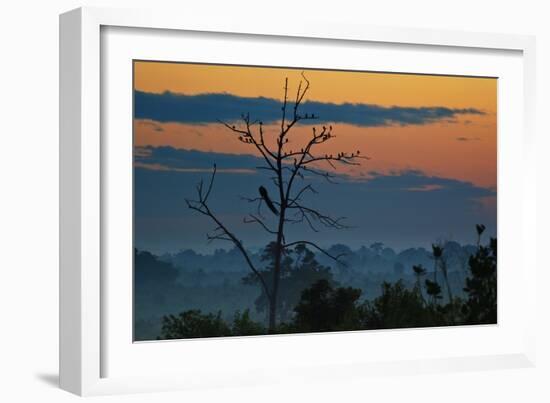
x: 276, y: 272
x: 280, y: 229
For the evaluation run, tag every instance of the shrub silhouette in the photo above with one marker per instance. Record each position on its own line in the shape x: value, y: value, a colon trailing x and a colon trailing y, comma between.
x: 398, y: 307
x: 323, y: 308
x: 481, y: 286
x: 243, y: 325
x: 192, y: 324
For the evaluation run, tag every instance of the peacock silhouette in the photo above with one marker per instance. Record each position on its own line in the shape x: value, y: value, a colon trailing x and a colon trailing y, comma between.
x: 265, y: 196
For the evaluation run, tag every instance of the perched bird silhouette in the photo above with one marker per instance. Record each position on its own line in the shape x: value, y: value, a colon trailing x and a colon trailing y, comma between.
x: 265, y: 196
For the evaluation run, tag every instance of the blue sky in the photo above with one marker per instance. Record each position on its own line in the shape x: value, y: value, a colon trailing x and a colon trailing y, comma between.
x: 402, y: 209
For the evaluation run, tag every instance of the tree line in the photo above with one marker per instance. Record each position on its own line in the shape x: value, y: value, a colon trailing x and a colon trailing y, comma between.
x: 314, y: 302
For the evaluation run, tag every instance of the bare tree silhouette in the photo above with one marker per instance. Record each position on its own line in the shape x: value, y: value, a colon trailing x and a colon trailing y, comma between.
x: 286, y: 166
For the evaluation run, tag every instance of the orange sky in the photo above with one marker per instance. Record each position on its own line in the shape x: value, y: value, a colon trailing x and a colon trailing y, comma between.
x: 433, y: 148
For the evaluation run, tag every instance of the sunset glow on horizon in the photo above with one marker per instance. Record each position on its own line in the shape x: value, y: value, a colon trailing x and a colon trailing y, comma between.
x: 463, y: 147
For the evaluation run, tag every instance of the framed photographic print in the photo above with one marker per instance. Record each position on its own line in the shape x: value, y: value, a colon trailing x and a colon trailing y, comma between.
x: 346, y: 200
x: 256, y: 200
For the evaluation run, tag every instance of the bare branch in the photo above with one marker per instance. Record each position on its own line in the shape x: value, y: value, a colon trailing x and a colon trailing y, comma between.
x: 211, y: 184
x: 300, y: 192
x: 300, y: 97
x: 284, y: 104
x: 326, y: 175
x: 258, y: 200
x: 247, y: 137
x: 342, y: 158
x: 211, y: 238
x: 307, y: 213
x: 254, y: 219
x: 221, y: 232
x: 336, y: 258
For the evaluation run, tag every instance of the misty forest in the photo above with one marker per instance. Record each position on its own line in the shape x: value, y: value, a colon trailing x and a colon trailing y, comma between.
x: 297, y: 284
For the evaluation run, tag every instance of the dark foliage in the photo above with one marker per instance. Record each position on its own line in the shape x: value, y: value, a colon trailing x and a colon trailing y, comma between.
x: 323, y: 308
x: 299, y: 270
x: 311, y: 301
x: 433, y: 289
x: 194, y: 324
x: 481, y: 286
x: 243, y: 325
x: 398, y: 307
x: 151, y: 271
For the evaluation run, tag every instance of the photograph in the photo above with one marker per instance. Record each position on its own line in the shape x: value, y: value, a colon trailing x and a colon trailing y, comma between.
x: 283, y: 200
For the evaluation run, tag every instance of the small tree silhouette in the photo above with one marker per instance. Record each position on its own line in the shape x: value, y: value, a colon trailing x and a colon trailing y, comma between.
x: 480, y: 228
x: 286, y: 166
x: 419, y: 272
x: 299, y: 269
x: 433, y: 289
x: 481, y: 285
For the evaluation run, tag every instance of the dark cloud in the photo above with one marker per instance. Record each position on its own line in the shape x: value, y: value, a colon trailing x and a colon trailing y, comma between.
x: 417, y: 181
x: 401, y: 208
x: 179, y: 159
x: 467, y: 139
x: 208, y: 108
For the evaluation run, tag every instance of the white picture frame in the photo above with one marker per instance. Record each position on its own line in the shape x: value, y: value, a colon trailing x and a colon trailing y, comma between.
x: 86, y: 345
